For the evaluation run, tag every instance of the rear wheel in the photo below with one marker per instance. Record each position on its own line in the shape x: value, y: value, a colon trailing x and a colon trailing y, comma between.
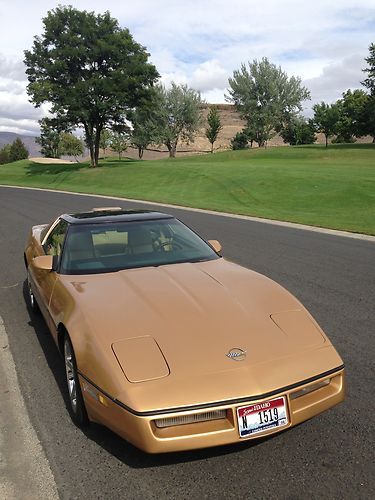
x: 76, y: 404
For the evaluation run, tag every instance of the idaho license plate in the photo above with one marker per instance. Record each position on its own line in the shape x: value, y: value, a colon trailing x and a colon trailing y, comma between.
x: 261, y: 417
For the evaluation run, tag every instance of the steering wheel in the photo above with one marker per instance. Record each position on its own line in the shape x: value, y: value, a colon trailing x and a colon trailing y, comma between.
x: 173, y: 244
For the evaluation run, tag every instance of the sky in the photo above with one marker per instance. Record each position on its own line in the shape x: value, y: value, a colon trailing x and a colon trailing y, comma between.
x: 201, y: 43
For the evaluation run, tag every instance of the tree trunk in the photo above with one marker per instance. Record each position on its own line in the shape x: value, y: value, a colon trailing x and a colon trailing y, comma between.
x: 90, y: 143
x: 140, y: 152
x: 97, y: 145
x: 172, y: 146
x: 326, y: 136
x: 212, y: 147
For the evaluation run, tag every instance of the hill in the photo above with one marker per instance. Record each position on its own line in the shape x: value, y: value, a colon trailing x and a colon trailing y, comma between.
x: 28, y: 140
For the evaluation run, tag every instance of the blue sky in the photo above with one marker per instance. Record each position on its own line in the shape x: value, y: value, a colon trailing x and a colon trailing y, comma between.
x: 201, y: 42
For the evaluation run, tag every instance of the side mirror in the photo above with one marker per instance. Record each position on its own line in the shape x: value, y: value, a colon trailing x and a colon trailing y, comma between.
x: 44, y: 262
x: 215, y: 245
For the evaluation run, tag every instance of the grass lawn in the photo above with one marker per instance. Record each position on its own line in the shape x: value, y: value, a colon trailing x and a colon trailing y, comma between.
x: 333, y: 187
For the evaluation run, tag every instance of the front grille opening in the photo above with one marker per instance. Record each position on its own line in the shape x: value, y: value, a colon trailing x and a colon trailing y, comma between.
x: 190, y: 419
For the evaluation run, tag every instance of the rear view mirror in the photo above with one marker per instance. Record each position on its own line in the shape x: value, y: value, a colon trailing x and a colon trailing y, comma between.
x: 44, y: 262
x: 215, y: 245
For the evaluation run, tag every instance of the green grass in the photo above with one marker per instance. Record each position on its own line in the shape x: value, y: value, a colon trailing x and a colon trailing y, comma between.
x: 333, y: 187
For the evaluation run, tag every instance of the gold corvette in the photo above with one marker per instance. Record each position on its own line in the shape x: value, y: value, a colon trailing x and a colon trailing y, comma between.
x: 167, y: 343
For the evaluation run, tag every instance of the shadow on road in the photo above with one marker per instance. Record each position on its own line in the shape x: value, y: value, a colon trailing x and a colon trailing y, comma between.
x: 113, y: 444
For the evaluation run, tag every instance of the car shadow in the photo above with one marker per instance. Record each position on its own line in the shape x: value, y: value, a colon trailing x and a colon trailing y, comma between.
x: 104, y: 437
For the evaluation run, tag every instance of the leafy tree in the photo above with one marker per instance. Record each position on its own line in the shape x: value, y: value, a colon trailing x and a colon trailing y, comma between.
x: 4, y: 154
x: 119, y: 142
x: 214, y: 126
x: 326, y: 117
x: 49, y: 139
x: 90, y: 69
x: 178, y: 115
x: 145, y: 125
x: 369, y: 117
x: 70, y: 145
x: 240, y: 141
x: 105, y: 140
x: 369, y: 82
x: 265, y: 97
x: 351, y: 122
x: 298, y: 131
x: 18, y: 151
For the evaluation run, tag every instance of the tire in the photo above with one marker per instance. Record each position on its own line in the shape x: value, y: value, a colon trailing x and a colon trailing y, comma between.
x: 76, y: 403
x: 31, y: 297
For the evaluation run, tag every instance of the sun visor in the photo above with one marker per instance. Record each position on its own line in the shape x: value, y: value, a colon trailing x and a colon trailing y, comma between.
x: 140, y: 359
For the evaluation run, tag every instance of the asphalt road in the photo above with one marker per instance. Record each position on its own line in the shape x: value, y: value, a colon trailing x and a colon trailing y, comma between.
x: 331, y: 456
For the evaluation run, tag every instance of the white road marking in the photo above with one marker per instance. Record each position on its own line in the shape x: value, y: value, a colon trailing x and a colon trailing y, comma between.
x: 24, y: 469
x: 293, y: 225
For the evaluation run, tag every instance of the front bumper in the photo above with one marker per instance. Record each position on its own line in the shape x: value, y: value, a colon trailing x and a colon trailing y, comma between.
x: 143, y: 432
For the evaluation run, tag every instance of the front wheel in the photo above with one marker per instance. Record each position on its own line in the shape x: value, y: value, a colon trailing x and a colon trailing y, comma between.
x: 76, y: 404
x: 32, y: 300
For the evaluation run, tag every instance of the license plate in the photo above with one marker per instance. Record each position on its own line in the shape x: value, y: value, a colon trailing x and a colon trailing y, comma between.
x: 261, y: 417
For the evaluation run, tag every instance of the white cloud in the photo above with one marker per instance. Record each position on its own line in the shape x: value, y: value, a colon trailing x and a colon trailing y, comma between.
x: 209, y: 75
x: 335, y: 78
x: 12, y: 69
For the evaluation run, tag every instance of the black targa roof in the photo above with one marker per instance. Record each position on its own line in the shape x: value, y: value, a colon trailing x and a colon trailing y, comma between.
x: 110, y: 216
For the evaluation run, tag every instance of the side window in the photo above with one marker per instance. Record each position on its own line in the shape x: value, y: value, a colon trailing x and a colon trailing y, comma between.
x: 55, y: 241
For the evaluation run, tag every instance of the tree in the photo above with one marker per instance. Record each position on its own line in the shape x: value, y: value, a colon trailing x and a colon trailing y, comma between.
x: 351, y: 110
x: 4, y: 154
x: 265, y: 97
x: 326, y: 117
x: 369, y: 82
x: 18, y: 151
x: 89, y: 69
x: 178, y: 115
x: 214, y: 126
x: 240, y: 141
x: 119, y: 142
x: 105, y: 140
x: 369, y: 117
x: 49, y: 139
x: 145, y: 125
x: 70, y: 145
x: 298, y: 131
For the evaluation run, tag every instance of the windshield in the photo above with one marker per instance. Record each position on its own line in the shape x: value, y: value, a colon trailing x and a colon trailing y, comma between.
x: 103, y: 248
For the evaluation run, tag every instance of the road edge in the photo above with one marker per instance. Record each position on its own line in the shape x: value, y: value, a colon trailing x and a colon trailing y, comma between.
x: 24, y: 469
x: 292, y: 225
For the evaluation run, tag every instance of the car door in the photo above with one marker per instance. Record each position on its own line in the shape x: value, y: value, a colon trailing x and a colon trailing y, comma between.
x: 44, y: 280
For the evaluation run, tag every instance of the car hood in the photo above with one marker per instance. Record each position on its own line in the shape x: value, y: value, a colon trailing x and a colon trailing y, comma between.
x: 170, y: 330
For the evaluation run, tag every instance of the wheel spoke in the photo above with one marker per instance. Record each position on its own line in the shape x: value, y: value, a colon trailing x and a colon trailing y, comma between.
x: 70, y: 376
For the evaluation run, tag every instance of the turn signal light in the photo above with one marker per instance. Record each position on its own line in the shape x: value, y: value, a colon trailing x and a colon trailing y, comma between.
x: 310, y: 388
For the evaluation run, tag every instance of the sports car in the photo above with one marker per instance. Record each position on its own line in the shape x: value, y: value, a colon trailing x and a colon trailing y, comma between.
x: 166, y: 342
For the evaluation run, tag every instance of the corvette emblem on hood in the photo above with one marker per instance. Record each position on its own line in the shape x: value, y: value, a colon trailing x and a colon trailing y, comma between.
x: 236, y: 354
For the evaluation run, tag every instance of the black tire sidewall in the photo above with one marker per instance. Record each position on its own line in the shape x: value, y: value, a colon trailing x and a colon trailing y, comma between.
x: 33, y: 304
